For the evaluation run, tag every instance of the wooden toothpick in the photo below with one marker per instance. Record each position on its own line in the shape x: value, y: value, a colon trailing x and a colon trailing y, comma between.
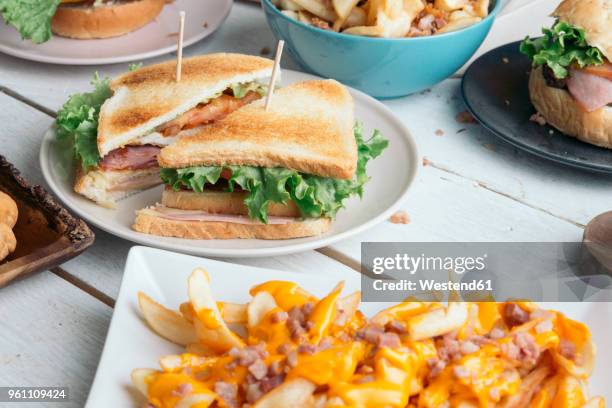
x: 179, y: 46
x: 275, y: 70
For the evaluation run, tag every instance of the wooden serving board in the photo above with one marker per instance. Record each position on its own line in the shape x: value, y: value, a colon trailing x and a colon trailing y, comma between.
x: 47, y: 234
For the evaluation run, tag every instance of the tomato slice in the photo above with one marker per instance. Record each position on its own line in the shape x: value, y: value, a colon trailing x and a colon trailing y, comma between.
x: 604, y: 70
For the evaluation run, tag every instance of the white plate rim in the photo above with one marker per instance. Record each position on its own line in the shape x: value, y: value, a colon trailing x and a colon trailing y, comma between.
x: 318, y: 242
x: 116, y: 60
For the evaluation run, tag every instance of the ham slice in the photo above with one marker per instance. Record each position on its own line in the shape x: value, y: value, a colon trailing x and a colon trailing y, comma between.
x: 191, y: 215
x: 131, y: 158
x: 591, y: 91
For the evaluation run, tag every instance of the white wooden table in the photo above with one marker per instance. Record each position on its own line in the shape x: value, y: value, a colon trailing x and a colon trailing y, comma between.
x: 472, y: 187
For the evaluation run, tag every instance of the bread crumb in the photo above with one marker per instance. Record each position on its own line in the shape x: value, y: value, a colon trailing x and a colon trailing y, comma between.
x: 538, y: 118
x: 205, y: 24
x: 400, y: 217
x: 490, y: 146
x: 425, y: 162
x: 465, y: 117
x: 439, y: 132
x: 264, y: 51
x: 172, y: 35
x: 505, y: 60
x: 507, y: 102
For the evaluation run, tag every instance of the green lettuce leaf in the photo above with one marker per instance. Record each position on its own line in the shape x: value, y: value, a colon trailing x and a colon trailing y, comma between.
x: 315, y: 196
x: 240, y: 90
x: 32, y: 18
x: 560, y: 47
x: 78, y: 120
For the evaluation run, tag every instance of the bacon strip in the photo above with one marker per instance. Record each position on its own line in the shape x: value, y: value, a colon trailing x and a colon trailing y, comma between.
x: 204, y: 114
x: 131, y: 157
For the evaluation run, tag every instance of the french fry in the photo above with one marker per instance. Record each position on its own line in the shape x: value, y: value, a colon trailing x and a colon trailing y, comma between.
x: 290, y: 5
x: 357, y: 17
x: 350, y: 304
x: 167, y: 323
x: 260, y: 306
x: 529, y: 386
x: 291, y: 14
x: 196, y: 400
x: 200, y: 349
x: 293, y: 393
x: 234, y: 312
x: 318, y: 8
x: 450, y: 5
x: 187, y: 311
x: 139, y: 378
x: 175, y: 362
x: 389, y: 18
x: 212, y: 331
x: 481, y: 8
x: 595, y: 402
x: 343, y: 7
x: 438, y: 321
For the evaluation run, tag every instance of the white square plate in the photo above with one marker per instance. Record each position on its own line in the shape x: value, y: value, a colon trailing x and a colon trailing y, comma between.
x: 163, y: 275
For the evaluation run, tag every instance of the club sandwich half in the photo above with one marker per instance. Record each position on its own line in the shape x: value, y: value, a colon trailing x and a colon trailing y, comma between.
x: 267, y: 174
x: 118, y: 130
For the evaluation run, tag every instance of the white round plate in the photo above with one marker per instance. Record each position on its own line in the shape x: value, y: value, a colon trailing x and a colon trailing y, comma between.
x: 391, y: 176
x: 156, y: 38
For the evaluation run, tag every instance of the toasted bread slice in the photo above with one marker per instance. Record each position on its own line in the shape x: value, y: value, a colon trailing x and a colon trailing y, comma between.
x: 150, y: 96
x: 221, y: 202
x: 308, y: 128
x: 149, y: 221
x: 105, y: 187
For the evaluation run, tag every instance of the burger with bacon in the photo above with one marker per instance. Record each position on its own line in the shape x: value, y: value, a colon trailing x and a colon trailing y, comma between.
x: 571, y: 81
x: 36, y: 20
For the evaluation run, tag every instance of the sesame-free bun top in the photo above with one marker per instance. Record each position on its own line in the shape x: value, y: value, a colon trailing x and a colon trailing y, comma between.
x: 594, y: 16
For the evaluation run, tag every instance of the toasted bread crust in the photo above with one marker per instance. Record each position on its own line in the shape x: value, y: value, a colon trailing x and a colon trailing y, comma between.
x: 221, y: 202
x: 150, y: 96
x: 111, y: 20
x: 147, y: 222
x: 308, y: 128
x: 594, y: 16
x: 562, y: 111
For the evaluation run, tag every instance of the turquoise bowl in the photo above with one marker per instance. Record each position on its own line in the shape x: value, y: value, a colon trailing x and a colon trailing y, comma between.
x: 381, y: 67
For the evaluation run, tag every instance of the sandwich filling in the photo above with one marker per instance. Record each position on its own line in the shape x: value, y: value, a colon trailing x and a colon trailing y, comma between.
x: 570, y: 63
x: 314, y: 196
x: 78, y: 121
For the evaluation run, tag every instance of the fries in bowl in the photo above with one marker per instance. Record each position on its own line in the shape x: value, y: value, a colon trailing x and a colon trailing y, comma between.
x: 386, y: 18
x: 289, y: 348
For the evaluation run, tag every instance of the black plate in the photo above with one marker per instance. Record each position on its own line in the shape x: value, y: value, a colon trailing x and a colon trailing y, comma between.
x: 495, y: 90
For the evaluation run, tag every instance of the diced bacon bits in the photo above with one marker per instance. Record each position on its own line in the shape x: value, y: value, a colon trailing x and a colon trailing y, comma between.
x: 400, y: 217
x: 396, y: 326
x: 538, y: 118
x: 307, y: 348
x: 390, y: 340
x: 365, y: 379
x: 439, y: 132
x: 497, y: 333
x: 182, y: 390
x: 522, y: 348
x: 567, y: 349
x: 364, y: 369
x: 544, y: 326
x: 258, y: 369
x: 228, y: 392
x: 465, y: 117
x: 247, y: 355
x: 449, y: 349
x: 279, y: 317
x: 325, y: 344
x: 468, y: 347
x: 269, y: 383
x: 297, y: 321
x: 514, y: 315
x: 284, y: 348
x: 370, y: 333
x: 322, y: 24
x: 435, y: 367
x: 461, y: 372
